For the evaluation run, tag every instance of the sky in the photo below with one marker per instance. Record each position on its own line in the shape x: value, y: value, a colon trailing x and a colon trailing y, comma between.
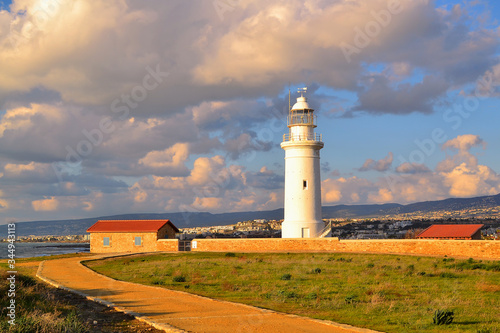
x: 116, y: 107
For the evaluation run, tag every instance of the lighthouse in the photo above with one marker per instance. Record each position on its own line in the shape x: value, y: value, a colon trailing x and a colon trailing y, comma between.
x: 302, y: 173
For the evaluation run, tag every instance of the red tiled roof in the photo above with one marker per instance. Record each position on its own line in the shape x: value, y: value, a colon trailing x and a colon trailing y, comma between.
x: 130, y: 226
x: 450, y: 231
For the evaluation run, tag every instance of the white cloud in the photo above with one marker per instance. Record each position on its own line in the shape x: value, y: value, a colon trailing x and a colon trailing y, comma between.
x: 168, y: 161
x: 49, y: 204
x: 408, y: 167
x: 219, y: 102
x: 381, y: 165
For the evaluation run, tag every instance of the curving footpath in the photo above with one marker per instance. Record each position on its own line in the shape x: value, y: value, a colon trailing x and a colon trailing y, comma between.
x: 176, y: 311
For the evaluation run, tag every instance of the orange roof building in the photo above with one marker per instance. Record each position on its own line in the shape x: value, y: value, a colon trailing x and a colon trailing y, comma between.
x: 133, y: 236
x: 452, y: 231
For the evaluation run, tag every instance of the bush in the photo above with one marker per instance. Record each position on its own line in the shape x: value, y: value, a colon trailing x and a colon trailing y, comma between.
x: 370, y: 265
x: 442, y: 317
x: 311, y: 296
x: 344, y: 259
x: 157, y: 281
x: 230, y: 254
x: 351, y: 299
x: 287, y: 294
x: 286, y: 276
x: 179, y: 278
x: 317, y: 270
x: 448, y: 275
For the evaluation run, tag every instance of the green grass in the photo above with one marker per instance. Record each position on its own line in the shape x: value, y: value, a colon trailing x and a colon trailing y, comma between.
x: 35, y: 311
x: 383, y: 292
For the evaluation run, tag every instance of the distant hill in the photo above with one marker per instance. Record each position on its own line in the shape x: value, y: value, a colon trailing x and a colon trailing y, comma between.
x: 198, y: 219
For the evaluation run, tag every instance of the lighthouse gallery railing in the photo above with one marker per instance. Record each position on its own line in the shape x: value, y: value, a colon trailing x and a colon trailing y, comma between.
x: 297, y: 137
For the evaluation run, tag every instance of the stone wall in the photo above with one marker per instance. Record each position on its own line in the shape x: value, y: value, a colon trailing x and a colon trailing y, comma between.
x: 122, y: 242
x: 264, y: 244
x: 451, y: 248
x: 125, y: 242
x: 167, y: 245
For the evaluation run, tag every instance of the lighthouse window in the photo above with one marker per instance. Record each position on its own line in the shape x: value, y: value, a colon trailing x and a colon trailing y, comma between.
x: 304, y: 184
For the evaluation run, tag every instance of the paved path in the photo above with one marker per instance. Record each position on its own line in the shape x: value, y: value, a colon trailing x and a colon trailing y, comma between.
x: 176, y: 311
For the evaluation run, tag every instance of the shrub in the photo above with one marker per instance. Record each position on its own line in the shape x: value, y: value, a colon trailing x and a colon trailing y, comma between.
x: 442, y: 317
x: 311, y: 296
x: 448, y: 275
x: 286, y: 276
x: 288, y: 294
x: 344, y: 259
x: 157, y: 281
x: 230, y: 254
x: 351, y: 299
x: 179, y: 278
x: 317, y: 270
x: 370, y: 265
x: 267, y: 295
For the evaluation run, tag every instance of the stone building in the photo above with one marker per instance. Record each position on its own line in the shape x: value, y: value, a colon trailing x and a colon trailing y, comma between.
x: 133, y: 236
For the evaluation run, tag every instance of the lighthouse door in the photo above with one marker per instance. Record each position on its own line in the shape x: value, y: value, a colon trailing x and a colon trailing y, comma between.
x: 305, y: 233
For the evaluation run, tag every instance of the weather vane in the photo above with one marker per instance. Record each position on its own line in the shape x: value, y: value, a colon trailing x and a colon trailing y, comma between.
x: 302, y: 91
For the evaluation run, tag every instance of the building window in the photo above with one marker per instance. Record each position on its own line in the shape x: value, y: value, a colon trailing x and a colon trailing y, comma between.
x: 106, y: 242
x: 138, y: 241
x: 304, y: 184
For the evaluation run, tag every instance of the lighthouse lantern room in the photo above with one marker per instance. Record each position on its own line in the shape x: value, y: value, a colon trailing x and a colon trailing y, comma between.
x: 302, y: 173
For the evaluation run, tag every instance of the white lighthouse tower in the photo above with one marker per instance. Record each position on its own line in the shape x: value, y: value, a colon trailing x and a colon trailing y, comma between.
x: 302, y: 173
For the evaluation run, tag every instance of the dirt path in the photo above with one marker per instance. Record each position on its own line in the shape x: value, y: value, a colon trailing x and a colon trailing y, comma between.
x: 175, y: 311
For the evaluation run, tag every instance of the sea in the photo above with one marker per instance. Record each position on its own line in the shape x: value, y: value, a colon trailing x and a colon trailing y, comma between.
x: 26, y: 250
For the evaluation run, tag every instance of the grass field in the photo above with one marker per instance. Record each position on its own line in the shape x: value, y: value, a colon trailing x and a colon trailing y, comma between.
x: 389, y: 293
x: 41, y: 308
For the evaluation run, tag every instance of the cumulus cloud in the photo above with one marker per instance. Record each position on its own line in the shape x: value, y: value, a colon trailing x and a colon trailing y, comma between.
x: 408, y: 167
x: 404, y: 98
x: 458, y: 175
x: 462, y: 144
x: 212, y: 185
x: 380, y: 165
x: 182, y: 93
x: 49, y: 204
x: 465, y: 181
x: 169, y: 161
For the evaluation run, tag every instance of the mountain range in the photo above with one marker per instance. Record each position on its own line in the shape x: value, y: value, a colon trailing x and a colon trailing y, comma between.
x: 200, y: 219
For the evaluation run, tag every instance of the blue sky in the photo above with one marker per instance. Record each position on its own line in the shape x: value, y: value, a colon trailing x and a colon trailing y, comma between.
x: 110, y: 107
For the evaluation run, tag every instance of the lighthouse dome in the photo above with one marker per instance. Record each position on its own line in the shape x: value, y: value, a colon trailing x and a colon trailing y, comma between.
x: 301, y: 104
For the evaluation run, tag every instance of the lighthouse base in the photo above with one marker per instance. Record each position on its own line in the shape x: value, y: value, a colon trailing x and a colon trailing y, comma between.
x: 301, y: 229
